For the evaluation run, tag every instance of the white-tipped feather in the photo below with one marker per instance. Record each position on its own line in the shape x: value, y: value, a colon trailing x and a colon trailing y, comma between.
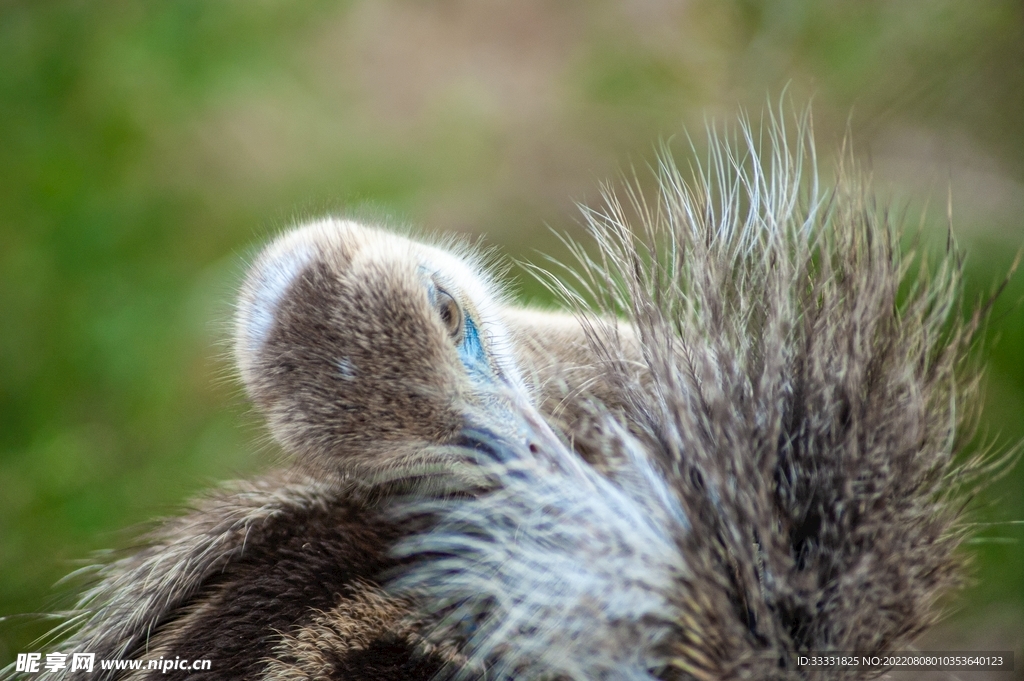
x: 558, y: 571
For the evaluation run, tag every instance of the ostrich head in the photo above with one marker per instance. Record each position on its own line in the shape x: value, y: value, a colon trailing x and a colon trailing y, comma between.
x: 368, y: 352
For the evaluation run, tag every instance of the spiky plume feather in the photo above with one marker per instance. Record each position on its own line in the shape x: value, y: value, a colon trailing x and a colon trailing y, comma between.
x: 786, y: 474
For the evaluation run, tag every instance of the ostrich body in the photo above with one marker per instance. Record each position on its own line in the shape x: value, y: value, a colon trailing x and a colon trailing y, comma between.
x: 737, y: 445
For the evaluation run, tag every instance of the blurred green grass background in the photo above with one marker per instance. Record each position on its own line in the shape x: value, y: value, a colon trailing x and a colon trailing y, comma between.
x: 147, y: 147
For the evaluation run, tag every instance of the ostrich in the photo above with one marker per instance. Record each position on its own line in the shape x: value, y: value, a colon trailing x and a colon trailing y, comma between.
x: 740, y: 442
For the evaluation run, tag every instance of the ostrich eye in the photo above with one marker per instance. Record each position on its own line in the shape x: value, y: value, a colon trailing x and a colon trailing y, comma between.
x: 451, y: 314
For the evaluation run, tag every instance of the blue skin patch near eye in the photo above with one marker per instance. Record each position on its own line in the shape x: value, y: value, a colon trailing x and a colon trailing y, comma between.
x: 471, y: 352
